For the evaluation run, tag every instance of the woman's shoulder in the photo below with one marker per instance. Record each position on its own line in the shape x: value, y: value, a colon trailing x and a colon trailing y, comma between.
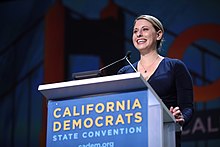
x: 176, y: 64
x: 173, y: 61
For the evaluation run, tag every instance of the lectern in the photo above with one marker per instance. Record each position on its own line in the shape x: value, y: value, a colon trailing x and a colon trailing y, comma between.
x: 112, y: 111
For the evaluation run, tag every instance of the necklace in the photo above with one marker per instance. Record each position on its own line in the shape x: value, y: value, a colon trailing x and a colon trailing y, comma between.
x: 145, y: 70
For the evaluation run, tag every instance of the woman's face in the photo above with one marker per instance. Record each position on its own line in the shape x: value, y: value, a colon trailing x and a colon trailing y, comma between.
x: 145, y: 36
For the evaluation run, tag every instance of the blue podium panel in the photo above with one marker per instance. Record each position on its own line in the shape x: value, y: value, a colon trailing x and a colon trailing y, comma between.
x: 111, y: 120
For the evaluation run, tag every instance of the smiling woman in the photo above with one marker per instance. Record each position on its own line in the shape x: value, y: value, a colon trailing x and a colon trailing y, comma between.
x: 168, y: 77
x: 152, y: 22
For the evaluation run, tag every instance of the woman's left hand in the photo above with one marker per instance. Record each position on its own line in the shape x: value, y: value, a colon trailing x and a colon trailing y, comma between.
x: 177, y: 114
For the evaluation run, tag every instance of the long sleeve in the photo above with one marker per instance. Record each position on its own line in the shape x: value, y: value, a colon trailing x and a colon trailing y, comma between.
x: 184, y: 89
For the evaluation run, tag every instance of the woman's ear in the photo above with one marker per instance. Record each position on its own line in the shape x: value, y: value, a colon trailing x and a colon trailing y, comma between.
x: 159, y: 35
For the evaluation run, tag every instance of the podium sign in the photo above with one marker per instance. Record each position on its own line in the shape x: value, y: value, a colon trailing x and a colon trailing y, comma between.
x: 110, y: 120
x: 119, y: 110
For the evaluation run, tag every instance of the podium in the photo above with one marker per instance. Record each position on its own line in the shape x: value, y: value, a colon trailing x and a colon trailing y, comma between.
x: 119, y: 110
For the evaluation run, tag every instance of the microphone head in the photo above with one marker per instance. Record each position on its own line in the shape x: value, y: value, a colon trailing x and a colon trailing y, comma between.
x: 128, y: 54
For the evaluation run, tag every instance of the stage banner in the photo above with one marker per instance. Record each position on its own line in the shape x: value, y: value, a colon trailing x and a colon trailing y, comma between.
x: 110, y: 120
x: 205, y: 125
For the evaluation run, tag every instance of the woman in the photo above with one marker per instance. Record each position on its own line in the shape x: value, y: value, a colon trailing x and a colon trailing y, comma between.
x: 168, y: 77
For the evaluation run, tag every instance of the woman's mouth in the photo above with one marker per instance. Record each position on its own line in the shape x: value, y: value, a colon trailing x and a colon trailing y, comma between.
x: 141, y: 41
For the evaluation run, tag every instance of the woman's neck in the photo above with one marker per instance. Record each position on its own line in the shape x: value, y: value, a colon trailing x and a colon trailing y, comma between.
x: 148, y: 58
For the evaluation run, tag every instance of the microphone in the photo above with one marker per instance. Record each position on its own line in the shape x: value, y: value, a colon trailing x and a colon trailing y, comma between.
x: 98, y: 73
x: 126, y: 57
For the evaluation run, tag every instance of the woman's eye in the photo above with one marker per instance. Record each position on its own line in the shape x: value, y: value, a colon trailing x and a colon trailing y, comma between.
x: 135, y: 31
x: 145, y: 29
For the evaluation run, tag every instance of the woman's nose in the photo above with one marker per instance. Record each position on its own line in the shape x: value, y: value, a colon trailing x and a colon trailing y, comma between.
x: 139, y: 33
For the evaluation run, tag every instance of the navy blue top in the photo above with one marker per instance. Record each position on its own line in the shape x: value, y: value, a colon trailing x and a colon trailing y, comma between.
x: 172, y: 83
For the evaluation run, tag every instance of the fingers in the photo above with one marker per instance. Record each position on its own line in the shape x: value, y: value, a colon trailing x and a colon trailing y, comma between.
x: 171, y: 109
x: 180, y: 120
x: 177, y: 114
x: 175, y: 111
